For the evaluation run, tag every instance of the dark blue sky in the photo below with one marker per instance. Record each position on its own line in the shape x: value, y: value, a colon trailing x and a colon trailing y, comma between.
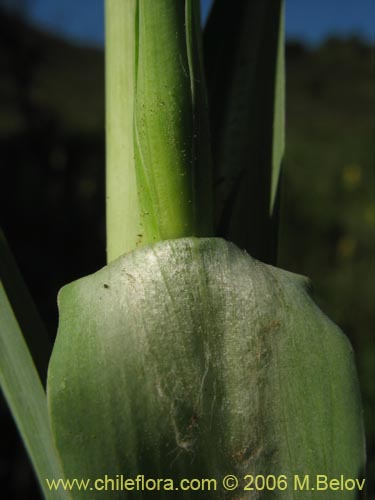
x: 310, y: 20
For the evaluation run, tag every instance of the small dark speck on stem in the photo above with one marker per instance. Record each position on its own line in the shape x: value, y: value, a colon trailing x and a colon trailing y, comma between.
x: 105, y: 285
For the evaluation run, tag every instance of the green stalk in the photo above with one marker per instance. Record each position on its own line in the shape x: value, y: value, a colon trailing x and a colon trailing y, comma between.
x: 123, y: 219
x: 157, y: 113
x: 173, y: 163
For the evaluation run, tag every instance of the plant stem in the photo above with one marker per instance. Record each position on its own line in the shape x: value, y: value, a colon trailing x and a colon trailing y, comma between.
x: 156, y: 112
x: 123, y: 219
x: 171, y: 132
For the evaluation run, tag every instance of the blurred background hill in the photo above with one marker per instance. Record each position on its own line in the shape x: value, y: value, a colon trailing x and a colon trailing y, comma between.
x: 52, y: 187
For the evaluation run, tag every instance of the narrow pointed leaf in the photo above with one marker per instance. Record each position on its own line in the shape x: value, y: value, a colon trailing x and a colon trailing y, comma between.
x: 25, y: 395
x: 24, y: 309
x: 189, y: 359
x: 244, y: 56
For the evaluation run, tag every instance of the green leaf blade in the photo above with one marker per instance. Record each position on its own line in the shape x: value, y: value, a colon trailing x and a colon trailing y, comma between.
x: 278, y: 139
x: 24, y: 393
x: 191, y: 359
x: 24, y: 356
x: 245, y: 74
x: 31, y: 325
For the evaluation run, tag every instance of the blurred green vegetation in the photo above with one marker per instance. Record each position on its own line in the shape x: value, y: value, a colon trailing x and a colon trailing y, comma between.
x: 52, y: 187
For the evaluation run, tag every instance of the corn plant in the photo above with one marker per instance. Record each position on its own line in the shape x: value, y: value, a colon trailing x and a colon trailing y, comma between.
x: 188, y: 355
